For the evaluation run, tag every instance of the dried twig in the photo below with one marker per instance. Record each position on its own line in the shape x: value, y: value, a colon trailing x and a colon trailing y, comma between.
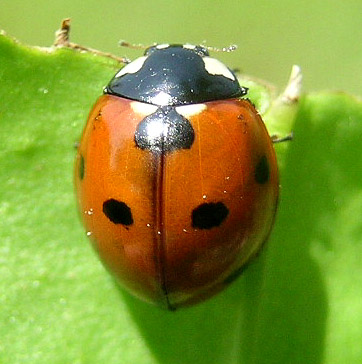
x: 62, y: 40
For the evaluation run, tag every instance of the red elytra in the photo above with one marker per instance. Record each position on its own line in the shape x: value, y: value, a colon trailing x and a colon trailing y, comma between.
x: 176, y: 227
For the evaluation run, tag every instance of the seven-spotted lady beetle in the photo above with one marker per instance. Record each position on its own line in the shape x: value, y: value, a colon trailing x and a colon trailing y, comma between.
x: 176, y: 176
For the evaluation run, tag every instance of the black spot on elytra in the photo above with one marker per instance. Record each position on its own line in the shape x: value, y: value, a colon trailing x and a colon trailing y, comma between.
x: 164, y: 131
x: 117, y: 212
x: 209, y: 215
x: 81, y: 167
x: 262, y: 171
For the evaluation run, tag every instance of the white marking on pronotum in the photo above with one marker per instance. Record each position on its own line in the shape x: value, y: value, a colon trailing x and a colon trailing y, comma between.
x: 190, y: 110
x: 189, y: 46
x: 162, y: 99
x: 215, y: 67
x: 162, y: 46
x: 143, y: 108
x: 132, y: 67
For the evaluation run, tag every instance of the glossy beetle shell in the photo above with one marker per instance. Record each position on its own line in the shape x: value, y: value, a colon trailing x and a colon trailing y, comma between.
x: 177, y: 226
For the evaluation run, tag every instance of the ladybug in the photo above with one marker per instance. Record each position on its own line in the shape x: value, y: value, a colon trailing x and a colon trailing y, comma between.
x: 176, y: 176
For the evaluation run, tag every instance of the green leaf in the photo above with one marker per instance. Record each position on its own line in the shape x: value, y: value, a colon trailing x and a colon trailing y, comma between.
x: 300, y: 302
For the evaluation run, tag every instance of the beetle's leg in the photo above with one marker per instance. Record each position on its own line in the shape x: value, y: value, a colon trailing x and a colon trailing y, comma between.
x: 276, y: 139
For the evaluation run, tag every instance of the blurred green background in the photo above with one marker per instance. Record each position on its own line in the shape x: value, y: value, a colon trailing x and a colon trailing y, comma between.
x: 322, y: 36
